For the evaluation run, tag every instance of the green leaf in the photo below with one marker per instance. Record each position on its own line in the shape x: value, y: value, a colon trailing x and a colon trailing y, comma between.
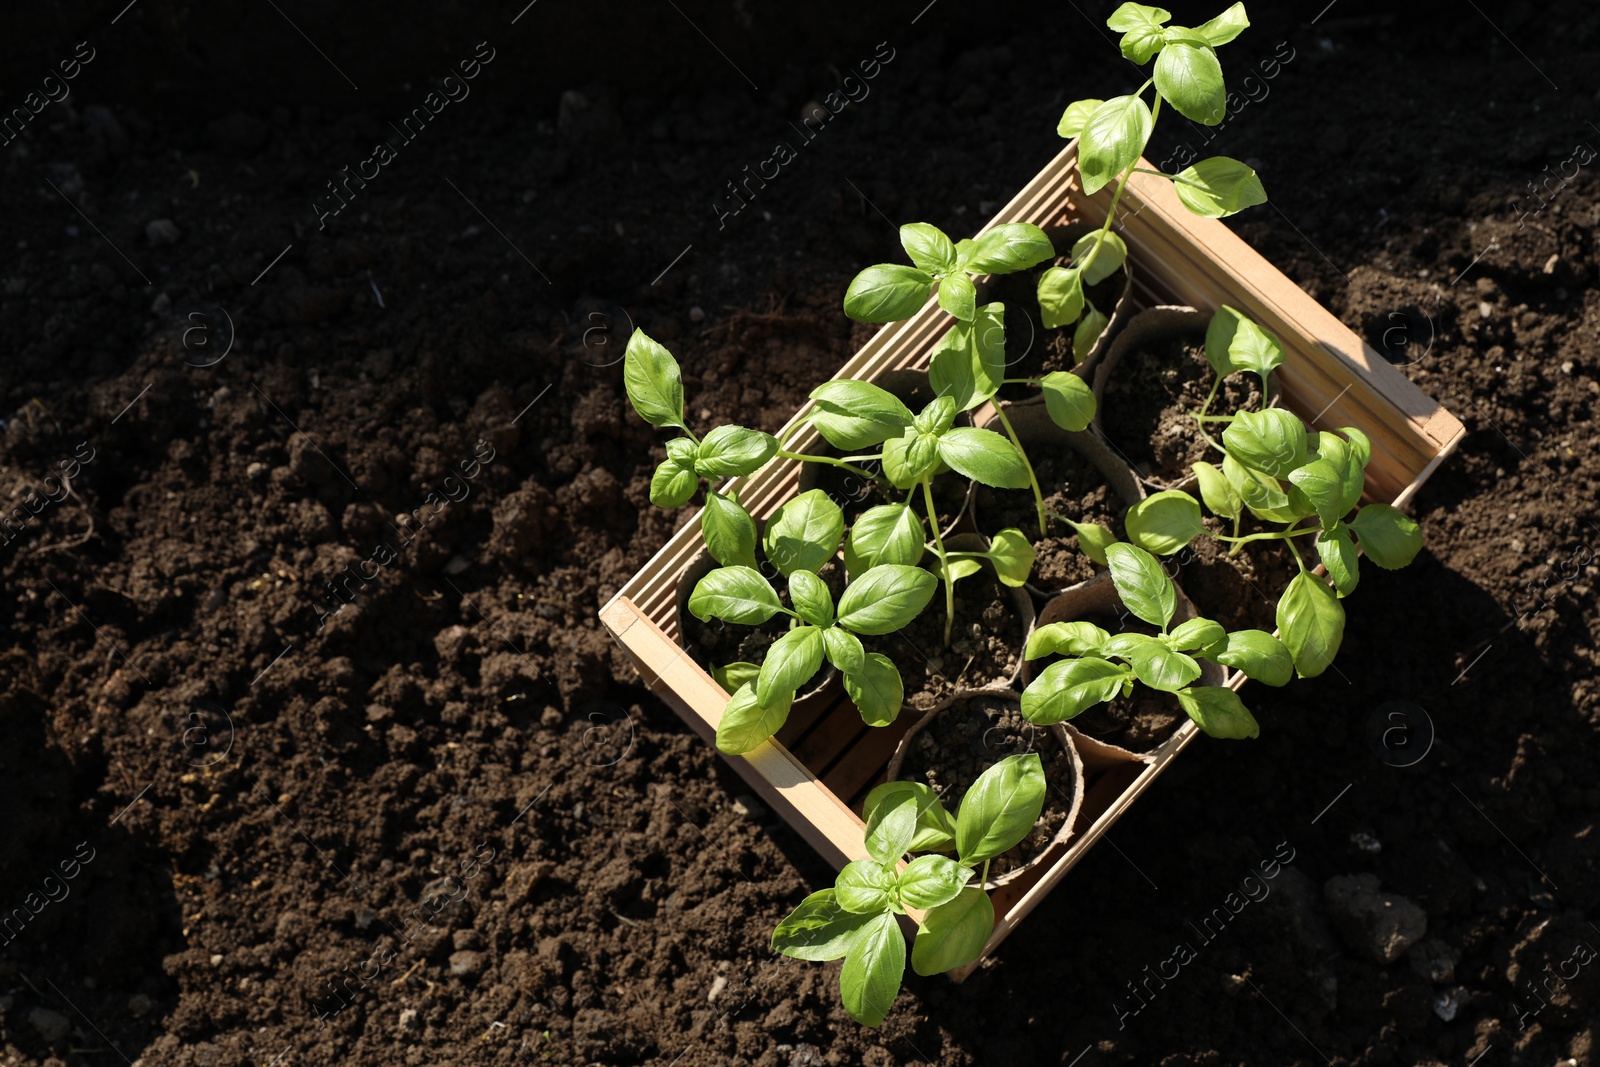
x: 853, y: 415
x: 1159, y: 667
x: 928, y: 247
x: 811, y: 598
x: 1323, y: 485
x: 1338, y: 452
x: 1143, y: 586
x: 970, y: 362
x: 1000, y: 808
x: 1273, y: 441
x: 888, y: 533
x: 1220, y: 496
x: 1190, y: 78
x: 1069, y: 400
x: 1060, y: 297
x: 1112, y: 140
x: 1310, y: 624
x: 1234, y: 342
x: 1262, y: 657
x: 886, y: 598
x: 1012, y: 556
x: 1260, y: 493
x: 1225, y: 27
x: 863, y: 887
x: 908, y: 457
x: 936, y: 829
x: 733, y: 450
x: 873, y: 969
x: 1219, y: 712
x: 1093, y: 539
x: 1140, y: 26
x: 953, y: 934
x: 1089, y: 329
x: 728, y: 531
x: 746, y: 722
x: 672, y: 485
x: 1066, y: 689
x: 1197, y: 633
x: 876, y: 689
x: 1388, y: 537
x: 958, y: 569
x: 1006, y: 248
x: 887, y: 292
x: 843, y: 649
x: 733, y: 675
x: 929, y: 881
x: 734, y: 594
x: 791, y: 662
x: 984, y: 456
x: 1066, y: 639
x: 819, y: 929
x: 1218, y: 187
x: 937, y: 416
x: 1164, y: 522
x: 1338, y: 554
x: 653, y: 382
x: 1113, y: 251
x: 1076, y: 115
x: 1360, y: 446
x: 892, y: 825
x: 804, y: 533
x: 958, y: 296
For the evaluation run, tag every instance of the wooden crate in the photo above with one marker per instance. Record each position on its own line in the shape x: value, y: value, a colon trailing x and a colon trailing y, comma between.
x: 818, y: 768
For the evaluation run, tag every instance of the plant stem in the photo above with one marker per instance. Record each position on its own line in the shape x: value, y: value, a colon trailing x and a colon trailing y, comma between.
x: 1116, y: 197
x: 1033, y: 479
x: 784, y: 453
x: 1297, y: 558
x: 944, y: 559
x: 983, y: 879
x: 1272, y: 535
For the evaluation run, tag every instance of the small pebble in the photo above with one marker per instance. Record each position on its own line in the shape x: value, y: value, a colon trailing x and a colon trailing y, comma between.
x: 749, y: 807
x: 465, y: 962
x: 139, y: 1004
x: 1446, y: 1004
x: 410, y: 1019
x: 1485, y: 309
x: 1366, y: 842
x: 697, y: 314
x: 216, y: 959
x: 718, y: 984
x: 162, y: 232
x: 256, y: 470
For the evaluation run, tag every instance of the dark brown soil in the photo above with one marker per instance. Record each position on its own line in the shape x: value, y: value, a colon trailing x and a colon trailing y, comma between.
x: 1150, y: 398
x: 985, y: 642
x: 715, y: 643
x: 1241, y: 592
x: 607, y: 900
x: 1073, y: 487
x: 969, y: 737
x: 855, y: 494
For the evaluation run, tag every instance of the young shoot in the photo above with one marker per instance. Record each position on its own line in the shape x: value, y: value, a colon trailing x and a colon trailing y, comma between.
x: 969, y: 364
x: 857, y: 921
x: 1101, y: 665
x: 1296, y: 481
x: 1112, y: 135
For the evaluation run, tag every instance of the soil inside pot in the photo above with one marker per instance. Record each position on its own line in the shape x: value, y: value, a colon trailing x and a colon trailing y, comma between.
x: 1150, y: 397
x: 985, y: 642
x: 1073, y: 487
x: 969, y: 737
x: 855, y: 494
x: 1031, y: 350
x: 715, y: 643
x: 1137, y: 723
x: 1241, y: 592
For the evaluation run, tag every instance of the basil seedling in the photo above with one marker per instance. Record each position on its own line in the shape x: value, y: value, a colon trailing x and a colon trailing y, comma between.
x: 1101, y: 665
x: 1112, y: 135
x: 969, y: 364
x: 1304, y: 482
x: 856, y: 919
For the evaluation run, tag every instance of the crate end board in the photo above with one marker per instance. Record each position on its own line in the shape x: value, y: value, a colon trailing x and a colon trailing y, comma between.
x: 782, y: 781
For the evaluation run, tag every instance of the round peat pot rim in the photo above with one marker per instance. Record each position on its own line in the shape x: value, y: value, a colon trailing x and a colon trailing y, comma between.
x: 899, y: 384
x: 1070, y: 234
x: 1020, y: 600
x: 822, y: 684
x: 1033, y: 424
x: 1099, y: 596
x: 1153, y: 325
x: 1061, y: 736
